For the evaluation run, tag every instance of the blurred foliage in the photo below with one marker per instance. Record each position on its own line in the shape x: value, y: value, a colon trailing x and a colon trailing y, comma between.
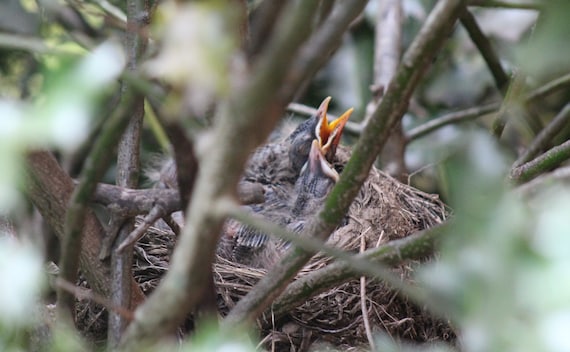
x: 60, y: 115
x: 499, y: 277
x: 550, y: 37
x: 21, y: 283
x: 502, y: 278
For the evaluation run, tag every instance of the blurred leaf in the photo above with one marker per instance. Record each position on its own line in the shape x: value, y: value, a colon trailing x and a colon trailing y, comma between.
x: 198, y: 43
x: 506, y: 24
x: 15, y: 19
x: 21, y: 281
x: 60, y: 117
x: 547, y: 52
x: 210, y: 338
x: 501, y: 273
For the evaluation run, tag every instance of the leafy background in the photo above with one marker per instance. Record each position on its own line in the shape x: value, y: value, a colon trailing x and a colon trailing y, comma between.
x: 502, y: 273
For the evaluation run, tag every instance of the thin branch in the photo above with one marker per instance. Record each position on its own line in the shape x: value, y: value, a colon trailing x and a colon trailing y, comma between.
x: 311, y: 246
x: 113, y: 11
x: 31, y: 44
x: 545, y: 162
x: 363, y: 299
x: 451, y: 118
x: 413, y: 247
x: 472, y: 113
x: 390, y: 111
x: 544, y: 138
x: 95, y: 166
x: 485, y: 48
x: 513, y: 93
x: 245, y: 120
x: 88, y: 294
x: 318, y: 49
x: 155, y: 213
x: 387, y: 52
x: 549, y: 88
x: 128, y: 171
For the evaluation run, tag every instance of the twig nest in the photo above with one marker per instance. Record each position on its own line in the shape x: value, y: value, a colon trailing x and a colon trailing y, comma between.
x: 384, y: 210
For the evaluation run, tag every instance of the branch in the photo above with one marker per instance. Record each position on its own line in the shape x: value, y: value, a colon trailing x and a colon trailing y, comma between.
x: 317, y: 51
x: 83, y: 293
x: 390, y: 111
x: 132, y: 202
x: 485, y: 48
x: 413, y: 247
x: 262, y: 25
x: 386, y: 59
x: 245, y: 120
x: 363, y: 299
x: 308, y: 244
x: 451, y: 118
x: 128, y: 171
x: 544, y: 138
x: 50, y: 189
x: 475, y: 112
x: 545, y: 162
x: 31, y: 44
x: 513, y: 94
x: 549, y: 88
x: 95, y: 166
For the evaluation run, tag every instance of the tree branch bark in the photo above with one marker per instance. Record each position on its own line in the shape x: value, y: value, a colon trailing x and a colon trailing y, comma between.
x: 416, y: 246
x: 128, y: 172
x: 545, y: 162
x: 486, y: 49
x: 50, y: 189
x: 95, y: 166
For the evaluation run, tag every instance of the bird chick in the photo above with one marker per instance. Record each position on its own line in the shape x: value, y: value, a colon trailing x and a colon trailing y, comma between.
x: 257, y: 249
x: 280, y: 163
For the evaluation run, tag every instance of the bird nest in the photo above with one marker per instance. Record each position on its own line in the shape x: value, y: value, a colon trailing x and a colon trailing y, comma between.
x: 384, y: 210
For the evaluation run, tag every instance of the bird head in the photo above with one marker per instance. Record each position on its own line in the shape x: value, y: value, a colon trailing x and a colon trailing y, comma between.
x: 317, y: 126
x: 302, y: 136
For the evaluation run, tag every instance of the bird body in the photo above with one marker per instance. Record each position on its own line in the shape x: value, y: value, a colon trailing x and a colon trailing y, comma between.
x: 297, y: 175
x: 253, y: 247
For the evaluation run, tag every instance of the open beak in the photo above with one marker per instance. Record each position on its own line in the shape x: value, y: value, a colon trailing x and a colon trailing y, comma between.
x: 318, y: 164
x: 329, y: 133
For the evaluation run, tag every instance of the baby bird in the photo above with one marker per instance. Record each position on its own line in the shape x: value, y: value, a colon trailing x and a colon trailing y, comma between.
x: 278, y: 165
x: 252, y: 247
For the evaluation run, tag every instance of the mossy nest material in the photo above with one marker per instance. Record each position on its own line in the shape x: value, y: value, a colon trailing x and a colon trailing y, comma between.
x: 384, y: 210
